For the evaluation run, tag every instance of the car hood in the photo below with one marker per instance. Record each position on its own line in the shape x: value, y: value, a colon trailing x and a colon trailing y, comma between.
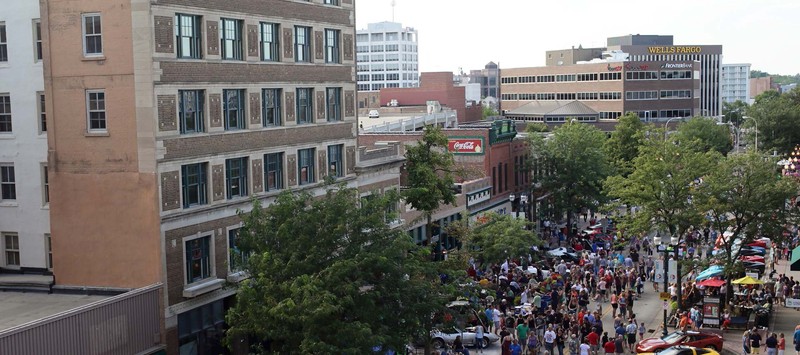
x: 650, y: 343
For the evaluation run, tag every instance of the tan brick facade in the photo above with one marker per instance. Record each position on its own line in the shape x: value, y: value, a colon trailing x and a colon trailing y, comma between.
x: 170, y: 190
x: 216, y: 72
x: 212, y: 34
x: 163, y: 29
x: 215, y: 109
x: 255, y: 108
x: 167, y: 116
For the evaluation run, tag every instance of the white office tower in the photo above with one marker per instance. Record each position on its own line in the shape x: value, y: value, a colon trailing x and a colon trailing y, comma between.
x: 735, y: 82
x: 386, y: 57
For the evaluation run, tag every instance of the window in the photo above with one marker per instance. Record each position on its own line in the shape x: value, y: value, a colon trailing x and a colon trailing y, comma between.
x: 332, y: 2
x: 236, y: 177
x: 37, y: 40
x: 194, y: 184
x: 335, y: 160
x: 49, y: 246
x: 96, y: 110
x: 236, y: 258
x: 234, y: 109
x: 269, y: 42
x: 42, y: 114
x: 305, y: 107
x: 188, y: 36
x: 198, y: 259
x: 231, y: 37
x: 273, y: 171
x: 271, y: 100
x: 305, y: 166
x: 191, y: 108
x: 45, y: 186
x: 332, y: 46
x: 11, y: 241
x: 8, y: 189
x: 92, y: 35
x: 302, y: 42
x: 201, y: 326
x: 3, y: 43
x: 5, y: 113
x: 333, y: 106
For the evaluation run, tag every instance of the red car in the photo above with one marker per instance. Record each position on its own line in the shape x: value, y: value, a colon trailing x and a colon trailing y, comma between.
x: 696, y: 339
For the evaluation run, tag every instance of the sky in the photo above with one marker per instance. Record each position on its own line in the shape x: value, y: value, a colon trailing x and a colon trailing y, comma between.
x: 468, y: 34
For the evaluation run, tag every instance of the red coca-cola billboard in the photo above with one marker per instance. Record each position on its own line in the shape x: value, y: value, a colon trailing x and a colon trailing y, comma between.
x: 465, y: 145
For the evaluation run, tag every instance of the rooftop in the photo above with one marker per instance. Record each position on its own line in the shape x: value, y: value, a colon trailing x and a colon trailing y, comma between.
x: 19, y: 308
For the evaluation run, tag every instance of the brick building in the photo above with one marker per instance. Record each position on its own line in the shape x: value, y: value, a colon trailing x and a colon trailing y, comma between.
x: 434, y: 86
x: 167, y: 117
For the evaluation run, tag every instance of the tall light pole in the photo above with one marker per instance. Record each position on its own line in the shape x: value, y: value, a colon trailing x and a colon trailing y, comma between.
x: 662, y: 249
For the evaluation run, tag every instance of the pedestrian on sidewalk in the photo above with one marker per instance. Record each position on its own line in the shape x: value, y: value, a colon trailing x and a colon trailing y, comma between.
x: 772, y: 344
x: 781, y: 345
x: 796, y: 338
x: 755, y: 341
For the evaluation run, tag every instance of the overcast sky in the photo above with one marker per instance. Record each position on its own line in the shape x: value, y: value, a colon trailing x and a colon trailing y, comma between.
x: 468, y: 34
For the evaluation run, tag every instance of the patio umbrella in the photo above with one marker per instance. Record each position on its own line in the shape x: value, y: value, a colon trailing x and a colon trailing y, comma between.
x: 756, y: 258
x: 758, y: 243
x: 714, y: 270
x: 747, y: 280
x: 711, y: 283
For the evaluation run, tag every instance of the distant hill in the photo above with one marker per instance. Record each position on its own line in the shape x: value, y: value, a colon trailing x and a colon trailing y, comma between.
x: 777, y: 78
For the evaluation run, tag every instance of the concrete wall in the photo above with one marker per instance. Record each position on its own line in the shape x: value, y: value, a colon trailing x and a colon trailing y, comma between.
x: 26, y: 146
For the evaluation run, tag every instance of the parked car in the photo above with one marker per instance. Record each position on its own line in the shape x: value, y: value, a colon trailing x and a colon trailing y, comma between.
x: 374, y: 114
x: 693, y: 339
x: 448, y: 336
x: 568, y: 254
x: 685, y: 350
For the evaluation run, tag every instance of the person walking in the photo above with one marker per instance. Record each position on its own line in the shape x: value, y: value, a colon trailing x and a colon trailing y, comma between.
x: 755, y: 341
x: 781, y: 344
x: 746, y: 343
x: 796, y: 339
x: 772, y: 344
x: 479, y: 338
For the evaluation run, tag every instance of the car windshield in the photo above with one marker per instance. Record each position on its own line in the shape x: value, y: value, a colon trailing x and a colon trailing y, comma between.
x: 672, y: 338
x: 681, y: 350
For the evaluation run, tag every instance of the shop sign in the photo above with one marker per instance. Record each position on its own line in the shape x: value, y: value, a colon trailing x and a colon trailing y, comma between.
x: 793, y: 302
x: 614, y: 68
x: 636, y: 67
x: 676, y: 66
x: 465, y: 145
x: 674, y: 49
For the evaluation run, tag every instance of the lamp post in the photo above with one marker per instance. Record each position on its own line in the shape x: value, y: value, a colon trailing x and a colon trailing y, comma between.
x: 745, y: 118
x: 662, y: 249
x: 674, y: 244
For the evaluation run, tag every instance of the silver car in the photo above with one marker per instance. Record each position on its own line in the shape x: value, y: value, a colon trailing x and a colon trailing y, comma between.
x: 448, y: 336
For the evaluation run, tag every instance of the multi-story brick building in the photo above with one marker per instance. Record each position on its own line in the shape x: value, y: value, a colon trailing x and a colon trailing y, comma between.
x: 170, y: 116
x: 607, y: 90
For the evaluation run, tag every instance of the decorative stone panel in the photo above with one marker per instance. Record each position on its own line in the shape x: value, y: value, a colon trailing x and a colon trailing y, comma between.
x: 164, y: 34
x: 291, y: 168
x: 350, y: 159
x: 255, y: 108
x: 218, y: 182
x: 258, y: 176
x: 212, y: 34
x: 322, y: 163
x: 170, y: 191
x: 167, y: 116
x: 347, y: 2
x: 319, y: 45
x: 289, y: 107
x: 215, y: 109
x: 319, y: 106
x: 288, y: 43
x: 182, y: 72
x: 252, y: 41
x: 349, y: 103
x: 347, y: 46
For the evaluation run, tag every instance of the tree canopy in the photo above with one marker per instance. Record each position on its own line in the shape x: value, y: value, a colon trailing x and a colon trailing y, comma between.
x: 327, y: 275
x: 575, y: 164
x: 501, y: 237
x: 703, y: 134
x: 623, y: 146
x: 734, y: 112
x: 778, y: 116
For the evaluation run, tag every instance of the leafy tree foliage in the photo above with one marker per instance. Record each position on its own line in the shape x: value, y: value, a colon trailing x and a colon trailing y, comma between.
x: 704, y: 134
x: 734, y: 112
x: 328, y: 276
x: 744, y: 195
x: 623, y: 146
x: 501, y: 237
x: 778, y: 116
x: 431, y: 174
x: 489, y: 111
x: 536, y: 127
x: 573, y: 166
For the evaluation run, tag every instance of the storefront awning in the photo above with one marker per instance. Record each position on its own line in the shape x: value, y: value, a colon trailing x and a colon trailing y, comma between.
x: 795, y: 265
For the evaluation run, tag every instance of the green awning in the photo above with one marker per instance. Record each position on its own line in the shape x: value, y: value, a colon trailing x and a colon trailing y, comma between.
x: 795, y: 264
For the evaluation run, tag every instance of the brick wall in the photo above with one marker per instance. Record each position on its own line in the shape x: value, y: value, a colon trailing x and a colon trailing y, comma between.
x: 214, y: 72
x: 164, y: 34
x: 170, y: 190
x: 167, y: 116
x: 278, y: 8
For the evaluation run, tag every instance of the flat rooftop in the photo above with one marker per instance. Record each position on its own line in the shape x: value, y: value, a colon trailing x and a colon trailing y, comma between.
x: 366, y: 122
x: 18, y: 308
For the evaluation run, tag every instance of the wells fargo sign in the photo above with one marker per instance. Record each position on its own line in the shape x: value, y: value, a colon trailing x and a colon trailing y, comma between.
x: 469, y: 145
x: 674, y: 49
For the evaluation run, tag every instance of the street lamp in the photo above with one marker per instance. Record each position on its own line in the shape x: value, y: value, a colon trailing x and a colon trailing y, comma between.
x: 665, y: 249
x: 745, y: 118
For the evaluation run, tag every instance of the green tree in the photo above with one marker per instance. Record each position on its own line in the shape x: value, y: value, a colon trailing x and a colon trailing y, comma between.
x: 488, y: 111
x: 662, y: 187
x: 704, y: 134
x: 745, y: 196
x: 500, y: 238
x: 328, y: 276
x: 536, y: 127
x: 573, y: 165
x: 734, y: 112
x: 623, y: 146
x: 431, y: 173
x: 778, y: 116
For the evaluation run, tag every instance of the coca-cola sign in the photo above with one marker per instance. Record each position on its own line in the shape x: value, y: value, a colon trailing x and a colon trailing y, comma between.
x: 465, y: 145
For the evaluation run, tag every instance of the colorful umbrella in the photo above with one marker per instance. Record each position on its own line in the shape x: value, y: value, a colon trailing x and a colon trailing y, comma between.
x: 747, y: 280
x: 714, y: 270
x: 711, y: 283
x: 756, y: 258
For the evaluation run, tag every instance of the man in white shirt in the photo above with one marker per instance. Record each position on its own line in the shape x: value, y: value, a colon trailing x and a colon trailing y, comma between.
x: 496, y: 320
x: 549, y: 339
x: 479, y: 338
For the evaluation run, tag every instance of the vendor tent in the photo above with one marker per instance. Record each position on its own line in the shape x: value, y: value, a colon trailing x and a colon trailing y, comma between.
x: 714, y: 270
x: 795, y: 264
x: 747, y: 280
x: 711, y: 283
